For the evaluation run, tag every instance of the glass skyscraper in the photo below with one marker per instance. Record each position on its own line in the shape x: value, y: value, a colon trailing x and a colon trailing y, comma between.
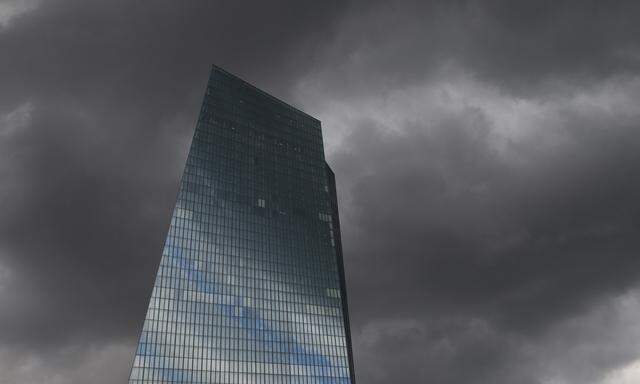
x: 250, y: 286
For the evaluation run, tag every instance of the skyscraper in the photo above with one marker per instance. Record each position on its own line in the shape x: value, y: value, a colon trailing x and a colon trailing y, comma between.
x: 250, y: 286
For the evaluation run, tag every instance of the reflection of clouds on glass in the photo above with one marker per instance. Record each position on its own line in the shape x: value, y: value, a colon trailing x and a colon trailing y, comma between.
x: 299, y: 340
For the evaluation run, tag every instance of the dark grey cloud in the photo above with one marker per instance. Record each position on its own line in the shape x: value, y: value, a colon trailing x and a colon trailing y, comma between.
x: 524, y: 47
x: 472, y: 221
x: 486, y: 155
x: 444, y: 229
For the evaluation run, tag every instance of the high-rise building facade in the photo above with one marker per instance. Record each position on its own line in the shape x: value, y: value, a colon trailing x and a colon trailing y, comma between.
x: 250, y: 286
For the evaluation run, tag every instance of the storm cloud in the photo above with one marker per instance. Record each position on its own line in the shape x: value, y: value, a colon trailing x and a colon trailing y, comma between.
x: 487, y: 156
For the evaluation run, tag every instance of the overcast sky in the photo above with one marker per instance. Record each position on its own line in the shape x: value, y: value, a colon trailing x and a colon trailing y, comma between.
x: 487, y: 155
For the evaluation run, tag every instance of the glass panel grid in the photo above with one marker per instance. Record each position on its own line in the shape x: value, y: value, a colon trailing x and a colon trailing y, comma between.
x: 250, y: 287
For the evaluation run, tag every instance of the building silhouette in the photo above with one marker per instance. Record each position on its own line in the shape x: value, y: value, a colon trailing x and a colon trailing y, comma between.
x: 250, y: 286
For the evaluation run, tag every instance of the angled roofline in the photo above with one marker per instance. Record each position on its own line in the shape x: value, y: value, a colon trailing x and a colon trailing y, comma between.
x: 253, y: 87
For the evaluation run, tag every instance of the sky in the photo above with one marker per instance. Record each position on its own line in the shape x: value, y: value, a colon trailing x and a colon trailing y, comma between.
x: 487, y: 156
